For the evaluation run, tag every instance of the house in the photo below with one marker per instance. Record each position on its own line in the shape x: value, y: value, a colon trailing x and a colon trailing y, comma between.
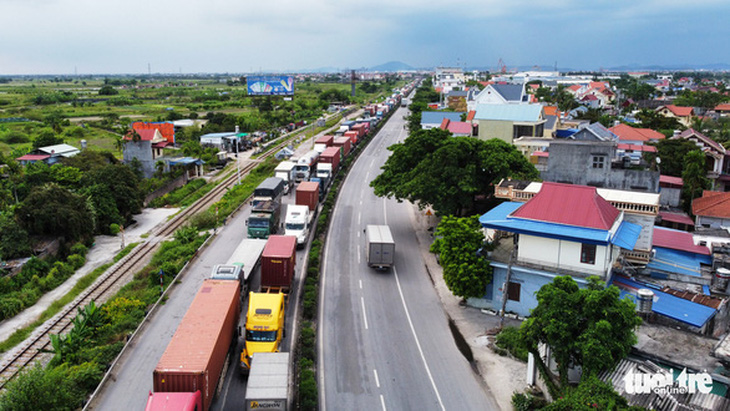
x: 590, y: 101
x: 670, y: 190
x: 458, y: 100
x: 49, y: 154
x: 541, y: 239
x: 683, y: 115
x: 145, y: 145
x: 501, y: 94
x: 633, y: 135
x: 723, y: 109
x: 712, y: 209
x: 592, y: 157
x: 676, y: 257
x: 433, y: 119
x: 510, y: 121
x: 718, y: 168
x: 457, y: 128
x: 166, y: 129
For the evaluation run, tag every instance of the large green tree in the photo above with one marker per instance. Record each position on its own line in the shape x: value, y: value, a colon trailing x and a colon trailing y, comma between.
x: 457, y: 241
x: 591, y: 327
x: 54, y: 210
x: 591, y: 394
x: 123, y: 185
x: 431, y: 168
x: 672, y: 153
x: 694, y: 177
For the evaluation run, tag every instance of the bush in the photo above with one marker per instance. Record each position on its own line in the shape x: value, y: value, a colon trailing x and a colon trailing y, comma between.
x: 76, y: 261
x: 509, y: 339
x: 114, y: 229
x: 79, y: 249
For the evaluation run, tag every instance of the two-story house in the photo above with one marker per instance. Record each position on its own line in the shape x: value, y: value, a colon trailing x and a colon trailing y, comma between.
x: 563, y: 230
x: 717, y: 163
x: 500, y: 94
x: 145, y: 145
x: 510, y: 121
x: 683, y: 114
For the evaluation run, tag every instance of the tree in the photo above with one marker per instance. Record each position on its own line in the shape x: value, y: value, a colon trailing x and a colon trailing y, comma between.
x: 672, y: 153
x: 42, y: 389
x: 652, y: 119
x: 432, y: 168
x: 54, y: 210
x: 14, y: 241
x: 590, y: 327
x: 457, y: 241
x: 591, y: 394
x: 694, y: 177
x: 47, y: 137
x: 108, y: 90
x: 122, y: 184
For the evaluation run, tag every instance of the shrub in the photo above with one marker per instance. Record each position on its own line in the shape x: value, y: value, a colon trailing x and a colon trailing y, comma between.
x: 79, y: 249
x: 509, y: 339
x: 114, y: 229
x: 76, y: 261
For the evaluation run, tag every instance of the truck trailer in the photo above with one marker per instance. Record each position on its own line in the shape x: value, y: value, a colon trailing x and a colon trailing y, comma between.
x: 270, y: 189
x: 197, y: 354
x: 264, y: 326
x: 380, y: 247
x: 308, y: 192
x: 267, y: 387
x: 241, y: 264
x: 285, y: 171
x: 277, y: 262
x: 332, y: 156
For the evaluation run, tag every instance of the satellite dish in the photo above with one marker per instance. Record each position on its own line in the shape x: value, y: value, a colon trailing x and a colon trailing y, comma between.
x: 658, y: 160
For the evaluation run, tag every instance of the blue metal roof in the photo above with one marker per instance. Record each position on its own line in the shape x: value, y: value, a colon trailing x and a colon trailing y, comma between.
x: 436, y: 117
x: 509, y: 112
x: 626, y: 235
x: 565, y: 132
x: 185, y: 161
x: 678, y: 262
x: 668, y: 305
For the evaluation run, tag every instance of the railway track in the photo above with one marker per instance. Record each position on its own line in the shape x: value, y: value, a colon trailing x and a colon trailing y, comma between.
x: 39, y: 344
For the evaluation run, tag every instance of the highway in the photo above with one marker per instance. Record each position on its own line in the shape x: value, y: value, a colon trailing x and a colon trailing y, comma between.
x: 384, y: 339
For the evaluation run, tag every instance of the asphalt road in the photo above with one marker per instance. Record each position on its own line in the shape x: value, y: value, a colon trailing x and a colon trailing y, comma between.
x: 385, y: 342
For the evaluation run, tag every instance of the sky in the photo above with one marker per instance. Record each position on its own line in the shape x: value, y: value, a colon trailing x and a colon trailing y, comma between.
x: 246, y: 36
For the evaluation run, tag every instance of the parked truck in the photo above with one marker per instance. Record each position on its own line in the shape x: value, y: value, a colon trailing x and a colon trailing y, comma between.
x: 264, y: 219
x: 267, y: 387
x: 240, y: 266
x: 308, y: 195
x: 264, y: 326
x: 298, y: 220
x: 277, y: 263
x: 380, y: 250
x: 270, y: 189
x: 344, y: 144
x: 331, y: 156
x: 285, y: 171
x: 324, y: 176
x: 304, y: 166
x: 191, y: 367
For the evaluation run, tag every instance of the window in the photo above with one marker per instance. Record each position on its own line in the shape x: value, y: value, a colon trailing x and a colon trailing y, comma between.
x: 513, y: 291
x: 598, y: 161
x: 588, y: 253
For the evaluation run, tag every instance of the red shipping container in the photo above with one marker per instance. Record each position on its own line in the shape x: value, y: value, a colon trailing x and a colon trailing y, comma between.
x: 353, y: 136
x: 194, y: 359
x: 326, y: 140
x: 331, y: 155
x: 343, y: 142
x: 308, y: 194
x: 360, y: 128
x: 277, y: 261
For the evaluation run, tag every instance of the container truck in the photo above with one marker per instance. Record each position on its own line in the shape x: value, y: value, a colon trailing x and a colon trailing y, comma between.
x: 285, y: 171
x: 353, y: 136
x: 196, y: 356
x: 344, y: 143
x: 264, y: 219
x: 326, y: 140
x: 361, y: 129
x: 321, y: 186
x: 331, y: 156
x: 241, y: 264
x: 324, y: 174
x: 341, y: 131
x: 298, y: 220
x: 264, y: 326
x: 277, y: 263
x: 267, y: 387
x: 270, y: 189
x: 304, y: 166
x: 308, y: 194
x: 380, y: 247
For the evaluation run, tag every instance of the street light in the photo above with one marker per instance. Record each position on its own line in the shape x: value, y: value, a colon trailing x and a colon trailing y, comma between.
x: 238, y: 160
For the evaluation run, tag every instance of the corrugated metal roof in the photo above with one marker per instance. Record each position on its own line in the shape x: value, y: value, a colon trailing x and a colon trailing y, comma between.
x: 677, y: 262
x: 569, y: 204
x: 626, y: 235
x: 435, y: 117
x: 611, y: 195
x: 677, y: 240
x: 671, y: 180
x: 666, y: 304
x: 707, y: 300
x: 509, y: 112
x: 33, y: 157
x: 680, y: 218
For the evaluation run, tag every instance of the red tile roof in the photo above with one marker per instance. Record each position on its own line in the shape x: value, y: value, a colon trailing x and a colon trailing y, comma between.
x: 167, y: 130
x: 569, y: 204
x: 33, y: 157
x: 589, y: 97
x: 470, y: 115
x: 551, y: 111
x: 677, y: 240
x: 456, y: 127
x: 636, y: 147
x: 723, y: 107
x: 675, y: 181
x: 144, y: 134
x: 575, y: 87
x: 712, y: 204
x: 626, y: 132
x: 679, y: 111
x: 680, y: 218
x: 703, y: 138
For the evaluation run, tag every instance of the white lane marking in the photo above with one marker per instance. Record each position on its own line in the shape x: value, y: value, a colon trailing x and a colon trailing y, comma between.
x: 358, y: 251
x: 382, y: 402
x: 364, y: 315
x: 360, y: 284
x: 359, y: 216
x: 377, y: 381
x: 418, y: 343
x: 371, y: 163
x: 358, y: 233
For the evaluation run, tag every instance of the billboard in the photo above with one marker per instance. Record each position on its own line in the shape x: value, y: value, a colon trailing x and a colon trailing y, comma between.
x: 270, y: 85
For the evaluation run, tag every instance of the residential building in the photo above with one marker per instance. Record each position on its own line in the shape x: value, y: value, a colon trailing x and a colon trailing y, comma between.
x: 670, y: 190
x: 433, y: 119
x: 458, y: 128
x: 684, y: 115
x: 633, y: 135
x: 592, y: 157
x: 501, y: 94
x: 458, y: 100
x: 49, y: 154
x: 146, y: 147
x: 166, y: 129
x: 712, y: 209
x: 447, y: 79
x: 541, y: 239
x: 717, y: 164
x: 510, y: 121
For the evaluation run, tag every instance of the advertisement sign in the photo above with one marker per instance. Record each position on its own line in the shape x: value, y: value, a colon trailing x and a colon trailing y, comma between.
x: 270, y: 85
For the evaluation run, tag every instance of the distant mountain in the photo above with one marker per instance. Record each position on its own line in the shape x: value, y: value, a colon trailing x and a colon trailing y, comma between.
x: 391, y: 66
x: 678, y: 67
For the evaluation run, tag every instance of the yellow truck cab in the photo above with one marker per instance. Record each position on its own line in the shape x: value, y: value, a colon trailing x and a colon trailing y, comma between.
x: 264, y: 326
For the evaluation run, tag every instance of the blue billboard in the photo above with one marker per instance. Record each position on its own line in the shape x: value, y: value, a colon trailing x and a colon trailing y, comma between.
x: 270, y: 85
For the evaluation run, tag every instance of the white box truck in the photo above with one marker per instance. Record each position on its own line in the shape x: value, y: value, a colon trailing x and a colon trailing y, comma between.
x: 267, y: 387
x: 297, y: 223
x: 380, y: 247
x: 285, y: 171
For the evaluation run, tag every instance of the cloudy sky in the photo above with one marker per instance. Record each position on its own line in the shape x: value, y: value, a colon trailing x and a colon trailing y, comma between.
x: 124, y: 36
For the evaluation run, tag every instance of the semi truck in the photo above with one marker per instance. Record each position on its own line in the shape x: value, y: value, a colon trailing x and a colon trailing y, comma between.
x: 241, y: 264
x: 285, y: 171
x: 270, y: 189
x: 308, y: 195
x: 191, y: 366
x: 331, y: 156
x: 304, y: 166
x: 267, y: 387
x: 264, y: 219
x: 264, y: 326
x: 380, y: 249
x: 324, y: 174
x: 344, y: 144
x: 297, y: 222
x: 277, y: 263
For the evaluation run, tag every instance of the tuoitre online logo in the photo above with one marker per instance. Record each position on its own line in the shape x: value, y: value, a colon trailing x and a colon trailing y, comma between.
x: 664, y: 383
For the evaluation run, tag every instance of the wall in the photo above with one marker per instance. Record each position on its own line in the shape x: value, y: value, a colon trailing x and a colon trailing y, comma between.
x: 502, y: 130
x: 670, y: 196
x: 712, y: 222
x: 142, y: 151
x: 646, y: 236
x: 176, y: 183
x: 560, y: 254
